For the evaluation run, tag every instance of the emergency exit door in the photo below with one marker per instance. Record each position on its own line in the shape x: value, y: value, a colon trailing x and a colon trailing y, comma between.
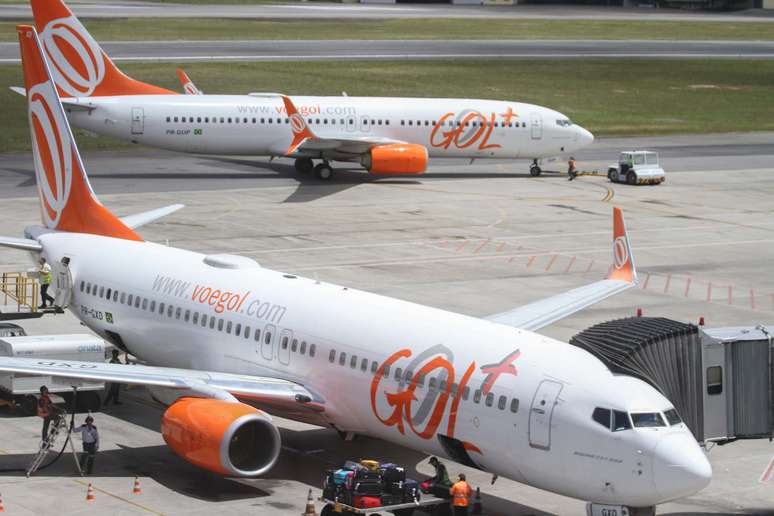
x: 536, y: 126
x: 283, y: 350
x: 541, y: 412
x: 267, y: 348
x: 63, y: 283
x: 138, y: 120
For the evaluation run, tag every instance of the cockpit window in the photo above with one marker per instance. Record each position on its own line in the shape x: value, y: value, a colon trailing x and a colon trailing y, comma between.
x: 602, y: 416
x: 647, y: 420
x: 672, y: 417
x: 621, y: 421
x: 563, y: 122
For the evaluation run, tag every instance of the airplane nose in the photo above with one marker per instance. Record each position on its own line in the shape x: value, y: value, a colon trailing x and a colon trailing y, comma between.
x: 584, y: 137
x: 680, y: 467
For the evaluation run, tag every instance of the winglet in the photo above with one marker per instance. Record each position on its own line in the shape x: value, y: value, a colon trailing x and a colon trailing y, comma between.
x: 67, y: 202
x: 188, y: 86
x: 79, y: 66
x: 623, y: 268
x: 301, y: 131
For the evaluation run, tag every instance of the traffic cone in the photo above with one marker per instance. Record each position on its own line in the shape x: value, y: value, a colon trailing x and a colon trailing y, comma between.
x: 90, y: 493
x: 136, y: 489
x: 477, y: 509
x: 2, y: 509
x: 310, y: 510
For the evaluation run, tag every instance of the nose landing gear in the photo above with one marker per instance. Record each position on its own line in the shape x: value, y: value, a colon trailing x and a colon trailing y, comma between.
x: 534, y: 169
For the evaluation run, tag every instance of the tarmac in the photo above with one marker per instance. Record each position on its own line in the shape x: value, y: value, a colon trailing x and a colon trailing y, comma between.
x: 337, y: 50
x: 478, y: 239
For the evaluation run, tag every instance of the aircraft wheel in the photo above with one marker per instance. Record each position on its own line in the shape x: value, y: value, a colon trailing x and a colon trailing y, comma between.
x: 631, y: 177
x: 304, y: 165
x: 534, y: 171
x: 323, y: 171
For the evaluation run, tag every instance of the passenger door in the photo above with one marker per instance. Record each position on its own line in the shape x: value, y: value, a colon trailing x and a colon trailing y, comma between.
x: 138, y: 120
x: 541, y: 412
x: 283, y: 350
x: 267, y: 348
x: 536, y: 126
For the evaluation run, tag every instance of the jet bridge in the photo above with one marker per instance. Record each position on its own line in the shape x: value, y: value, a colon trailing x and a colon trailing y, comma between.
x: 719, y: 379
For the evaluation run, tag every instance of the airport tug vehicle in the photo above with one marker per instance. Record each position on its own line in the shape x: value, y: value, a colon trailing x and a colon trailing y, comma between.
x: 636, y: 168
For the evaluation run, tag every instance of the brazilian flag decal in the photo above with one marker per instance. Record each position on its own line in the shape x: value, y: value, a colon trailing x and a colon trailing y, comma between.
x: 197, y: 132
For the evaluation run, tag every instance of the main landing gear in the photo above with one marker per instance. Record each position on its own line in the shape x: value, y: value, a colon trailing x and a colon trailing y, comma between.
x: 534, y: 169
x: 322, y: 170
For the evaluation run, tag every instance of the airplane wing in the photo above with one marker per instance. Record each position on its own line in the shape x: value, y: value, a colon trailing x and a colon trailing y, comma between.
x: 306, y: 143
x: 224, y: 386
x: 622, y: 276
x: 23, y: 244
x: 72, y: 104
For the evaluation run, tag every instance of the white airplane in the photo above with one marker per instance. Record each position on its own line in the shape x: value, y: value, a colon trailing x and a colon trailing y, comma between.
x: 227, y: 342
x: 385, y: 135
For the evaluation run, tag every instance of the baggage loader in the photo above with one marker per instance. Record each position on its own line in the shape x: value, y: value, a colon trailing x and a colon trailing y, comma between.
x: 435, y: 506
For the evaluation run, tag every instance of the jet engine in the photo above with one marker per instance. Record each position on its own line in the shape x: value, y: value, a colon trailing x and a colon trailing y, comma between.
x: 223, y: 437
x: 397, y: 158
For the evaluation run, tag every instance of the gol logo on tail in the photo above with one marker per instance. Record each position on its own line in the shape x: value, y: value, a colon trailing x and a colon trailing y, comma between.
x: 78, y: 64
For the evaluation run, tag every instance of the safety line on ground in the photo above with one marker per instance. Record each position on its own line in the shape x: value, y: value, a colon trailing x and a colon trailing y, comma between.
x: 139, y: 506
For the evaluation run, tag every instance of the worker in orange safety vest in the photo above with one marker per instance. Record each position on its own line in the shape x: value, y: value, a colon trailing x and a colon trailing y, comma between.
x: 461, y: 493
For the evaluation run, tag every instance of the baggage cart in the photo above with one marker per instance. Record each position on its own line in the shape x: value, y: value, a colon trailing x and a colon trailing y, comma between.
x: 429, y: 504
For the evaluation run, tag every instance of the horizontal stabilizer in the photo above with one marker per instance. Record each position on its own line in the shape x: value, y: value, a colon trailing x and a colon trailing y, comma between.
x: 24, y: 244
x: 19, y: 90
x: 146, y: 217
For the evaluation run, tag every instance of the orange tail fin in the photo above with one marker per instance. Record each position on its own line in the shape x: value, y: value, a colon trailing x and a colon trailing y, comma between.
x: 623, y: 260
x: 67, y: 202
x: 78, y: 64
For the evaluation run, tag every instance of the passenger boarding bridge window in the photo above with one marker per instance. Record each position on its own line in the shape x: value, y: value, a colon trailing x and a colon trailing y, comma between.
x: 647, y: 420
x: 342, y: 358
x: 332, y: 356
x: 714, y: 377
x: 673, y: 418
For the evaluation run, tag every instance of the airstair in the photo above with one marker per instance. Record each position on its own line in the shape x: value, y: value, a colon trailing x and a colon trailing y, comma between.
x: 720, y: 380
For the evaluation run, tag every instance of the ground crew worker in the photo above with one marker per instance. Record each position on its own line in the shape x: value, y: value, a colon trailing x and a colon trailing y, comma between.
x: 44, y: 274
x: 441, y: 477
x: 461, y: 493
x: 47, y: 410
x: 572, y: 170
x: 90, y: 444
x: 114, y: 387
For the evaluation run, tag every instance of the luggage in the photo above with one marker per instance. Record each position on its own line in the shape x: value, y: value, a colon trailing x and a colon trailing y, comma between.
x: 392, y: 499
x: 368, y: 475
x: 372, y: 465
x: 395, y: 488
x: 411, y: 490
x: 440, y: 490
x: 367, y: 488
x: 425, y: 486
x: 393, y: 474
x: 366, y: 502
x: 343, y: 477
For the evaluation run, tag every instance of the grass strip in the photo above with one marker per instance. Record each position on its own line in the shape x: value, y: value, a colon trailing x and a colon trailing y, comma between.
x: 609, y: 97
x: 145, y: 29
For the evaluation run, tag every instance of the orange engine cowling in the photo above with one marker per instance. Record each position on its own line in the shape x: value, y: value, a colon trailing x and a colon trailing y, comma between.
x: 220, y: 436
x: 397, y: 158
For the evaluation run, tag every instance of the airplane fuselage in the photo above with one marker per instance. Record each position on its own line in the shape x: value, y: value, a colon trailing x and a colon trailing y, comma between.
x: 256, y: 125
x: 507, y: 401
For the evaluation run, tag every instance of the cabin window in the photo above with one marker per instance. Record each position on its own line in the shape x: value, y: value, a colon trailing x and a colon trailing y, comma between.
x: 254, y: 120
x: 515, y: 405
x: 466, y: 393
x: 244, y: 120
x: 229, y: 120
x: 477, y: 396
x: 212, y: 322
x: 137, y: 302
x: 204, y: 320
x: 145, y: 303
x: 229, y: 325
x: 294, y: 345
x: 220, y: 324
x: 342, y: 358
x: 312, y: 349
x: 501, y: 402
x: 374, y: 366
x: 101, y: 291
x: 602, y: 416
x: 175, y: 119
x: 621, y: 421
x: 442, y: 386
x: 284, y: 343
x: 302, y: 349
x: 238, y: 329
x: 398, y: 373
x: 153, y: 305
x: 169, y: 119
x: 195, y: 318
x: 353, y: 361
x: 108, y: 295
x: 207, y: 120
x: 130, y: 299
x: 431, y: 383
x: 386, y: 371
x: 82, y: 285
x: 267, y: 337
x: 161, y: 308
x: 257, y: 336
x: 178, y: 311
x: 247, y: 332
x: 332, y: 356
x: 198, y: 120
x: 489, y: 399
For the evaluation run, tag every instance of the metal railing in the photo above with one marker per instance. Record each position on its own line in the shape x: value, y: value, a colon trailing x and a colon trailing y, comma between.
x: 21, y: 289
